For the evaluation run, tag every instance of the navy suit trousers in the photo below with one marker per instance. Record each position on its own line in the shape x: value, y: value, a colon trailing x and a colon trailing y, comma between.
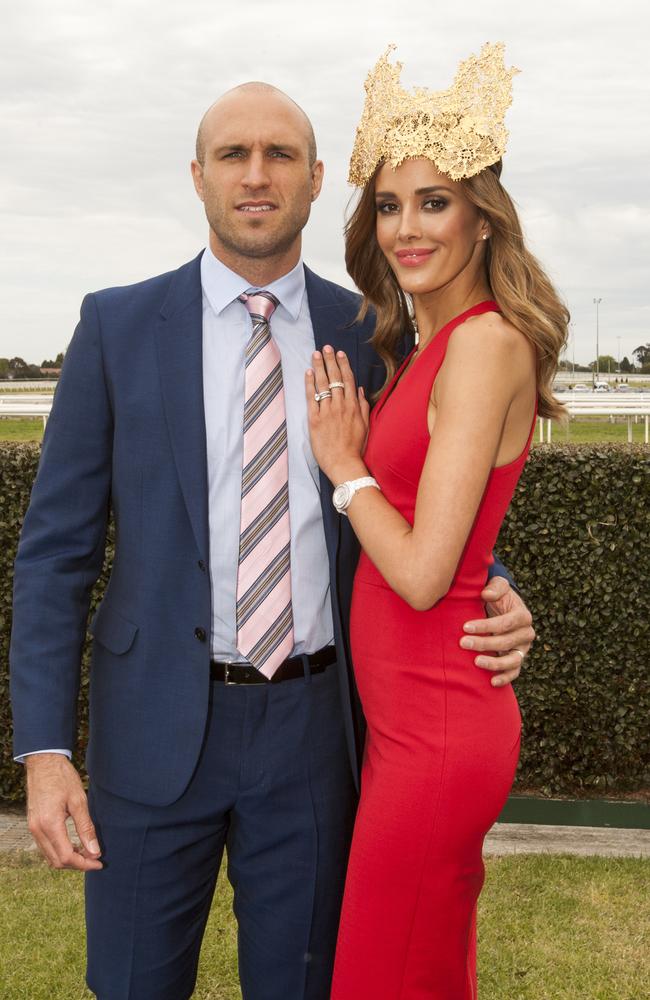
x: 274, y: 786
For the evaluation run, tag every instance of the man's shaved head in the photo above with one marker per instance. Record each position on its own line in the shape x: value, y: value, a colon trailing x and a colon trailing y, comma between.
x: 261, y: 88
x: 257, y: 174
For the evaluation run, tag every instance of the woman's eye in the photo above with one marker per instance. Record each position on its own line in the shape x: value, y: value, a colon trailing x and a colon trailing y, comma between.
x: 437, y: 204
x: 386, y: 207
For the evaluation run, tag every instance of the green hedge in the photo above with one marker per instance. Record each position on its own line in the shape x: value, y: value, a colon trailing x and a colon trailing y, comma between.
x: 576, y: 539
x: 18, y: 464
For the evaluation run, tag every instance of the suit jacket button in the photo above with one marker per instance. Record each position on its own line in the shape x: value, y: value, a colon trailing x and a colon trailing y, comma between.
x: 201, y: 565
x: 200, y: 634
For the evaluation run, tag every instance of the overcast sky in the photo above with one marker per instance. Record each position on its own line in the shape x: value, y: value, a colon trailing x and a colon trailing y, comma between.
x: 100, y: 103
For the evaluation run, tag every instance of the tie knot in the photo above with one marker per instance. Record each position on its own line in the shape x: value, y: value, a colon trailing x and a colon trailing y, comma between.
x: 261, y: 305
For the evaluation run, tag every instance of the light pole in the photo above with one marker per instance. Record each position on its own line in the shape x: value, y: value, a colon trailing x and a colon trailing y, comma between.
x: 573, y: 346
x: 619, y: 355
x: 597, y: 303
x: 571, y: 343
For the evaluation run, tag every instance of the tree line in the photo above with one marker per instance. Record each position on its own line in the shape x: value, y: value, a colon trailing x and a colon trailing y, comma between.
x: 609, y: 364
x: 18, y: 368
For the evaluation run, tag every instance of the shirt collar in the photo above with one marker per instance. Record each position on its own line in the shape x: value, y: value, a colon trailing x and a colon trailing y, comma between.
x: 221, y: 286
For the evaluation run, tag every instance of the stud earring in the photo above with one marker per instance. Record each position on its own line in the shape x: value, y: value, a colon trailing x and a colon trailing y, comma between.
x: 485, y: 236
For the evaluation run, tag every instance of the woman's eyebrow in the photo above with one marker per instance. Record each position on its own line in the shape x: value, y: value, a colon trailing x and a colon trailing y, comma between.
x: 419, y: 191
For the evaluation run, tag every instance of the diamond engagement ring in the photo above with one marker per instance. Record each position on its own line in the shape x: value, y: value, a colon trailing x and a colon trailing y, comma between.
x: 322, y: 395
x: 515, y: 650
x: 337, y: 385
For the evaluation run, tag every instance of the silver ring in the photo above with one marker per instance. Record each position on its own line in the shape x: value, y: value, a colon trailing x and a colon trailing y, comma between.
x: 322, y: 395
x: 337, y: 385
x: 515, y: 650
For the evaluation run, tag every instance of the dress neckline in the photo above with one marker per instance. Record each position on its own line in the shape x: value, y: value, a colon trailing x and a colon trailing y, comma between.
x: 487, y: 305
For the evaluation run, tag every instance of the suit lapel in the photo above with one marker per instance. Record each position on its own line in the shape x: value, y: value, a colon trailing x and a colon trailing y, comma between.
x: 179, y: 342
x: 330, y: 320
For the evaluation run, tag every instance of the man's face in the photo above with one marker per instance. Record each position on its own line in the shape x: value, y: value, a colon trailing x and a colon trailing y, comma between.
x: 256, y: 180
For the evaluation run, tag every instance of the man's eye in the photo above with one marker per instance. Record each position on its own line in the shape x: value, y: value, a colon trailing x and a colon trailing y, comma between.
x: 233, y: 154
x: 279, y: 155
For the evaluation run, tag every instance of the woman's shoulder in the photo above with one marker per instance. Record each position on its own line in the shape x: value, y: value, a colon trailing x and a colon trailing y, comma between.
x: 485, y: 350
x: 490, y: 339
x: 489, y: 330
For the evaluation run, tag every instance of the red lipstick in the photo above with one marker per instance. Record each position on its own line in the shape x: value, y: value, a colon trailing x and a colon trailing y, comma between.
x: 414, y: 256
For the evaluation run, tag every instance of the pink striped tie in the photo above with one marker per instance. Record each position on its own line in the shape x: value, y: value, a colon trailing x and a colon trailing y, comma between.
x: 264, y: 615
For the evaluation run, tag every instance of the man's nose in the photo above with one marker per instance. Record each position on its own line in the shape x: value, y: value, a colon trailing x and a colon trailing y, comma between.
x: 256, y: 174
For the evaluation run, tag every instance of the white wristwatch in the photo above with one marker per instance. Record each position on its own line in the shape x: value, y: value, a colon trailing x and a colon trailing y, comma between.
x: 343, y: 494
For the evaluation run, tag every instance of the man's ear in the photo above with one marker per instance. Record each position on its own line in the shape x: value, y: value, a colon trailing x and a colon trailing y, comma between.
x: 197, y: 177
x: 317, y: 173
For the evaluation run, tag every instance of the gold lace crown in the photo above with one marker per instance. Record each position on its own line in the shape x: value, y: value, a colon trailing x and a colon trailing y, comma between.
x: 461, y: 129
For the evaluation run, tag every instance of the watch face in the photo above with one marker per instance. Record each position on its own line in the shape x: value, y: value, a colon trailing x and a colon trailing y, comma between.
x: 341, y: 496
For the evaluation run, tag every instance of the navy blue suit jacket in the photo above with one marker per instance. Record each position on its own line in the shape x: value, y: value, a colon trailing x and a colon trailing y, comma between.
x: 127, y: 432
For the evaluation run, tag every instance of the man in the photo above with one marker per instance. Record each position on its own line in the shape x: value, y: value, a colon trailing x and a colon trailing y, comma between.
x: 210, y: 725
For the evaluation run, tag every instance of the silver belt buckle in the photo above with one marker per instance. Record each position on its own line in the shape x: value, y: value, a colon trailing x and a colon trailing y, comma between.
x: 226, y: 671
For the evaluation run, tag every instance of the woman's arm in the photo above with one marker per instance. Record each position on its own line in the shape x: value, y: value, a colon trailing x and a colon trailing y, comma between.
x: 474, y: 390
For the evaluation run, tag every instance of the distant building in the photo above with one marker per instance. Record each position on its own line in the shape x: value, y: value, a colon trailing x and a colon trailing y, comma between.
x: 52, y: 372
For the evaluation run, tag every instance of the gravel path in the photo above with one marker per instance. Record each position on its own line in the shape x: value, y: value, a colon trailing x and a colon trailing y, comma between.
x: 504, y: 838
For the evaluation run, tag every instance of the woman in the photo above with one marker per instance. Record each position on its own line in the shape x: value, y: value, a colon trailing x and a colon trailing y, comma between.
x: 426, y: 496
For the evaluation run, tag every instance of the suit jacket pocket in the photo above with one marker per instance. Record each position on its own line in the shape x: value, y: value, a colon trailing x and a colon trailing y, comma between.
x: 112, y: 630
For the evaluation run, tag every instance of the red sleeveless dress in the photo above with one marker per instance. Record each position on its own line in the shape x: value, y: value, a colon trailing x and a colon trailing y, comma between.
x: 442, y: 743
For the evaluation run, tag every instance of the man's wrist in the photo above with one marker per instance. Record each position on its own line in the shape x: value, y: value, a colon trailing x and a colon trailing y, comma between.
x: 30, y: 758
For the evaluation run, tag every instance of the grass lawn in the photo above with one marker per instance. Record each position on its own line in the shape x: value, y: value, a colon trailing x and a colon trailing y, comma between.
x: 578, y: 431
x: 21, y: 428
x: 584, y: 430
x: 550, y: 928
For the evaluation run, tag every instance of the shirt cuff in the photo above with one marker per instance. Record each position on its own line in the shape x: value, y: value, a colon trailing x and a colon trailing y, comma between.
x: 21, y: 758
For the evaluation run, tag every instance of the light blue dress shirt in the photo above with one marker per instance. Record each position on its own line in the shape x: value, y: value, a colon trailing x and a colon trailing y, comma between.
x: 226, y: 331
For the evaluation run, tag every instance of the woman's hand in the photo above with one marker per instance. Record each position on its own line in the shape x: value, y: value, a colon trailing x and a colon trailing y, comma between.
x: 338, y: 424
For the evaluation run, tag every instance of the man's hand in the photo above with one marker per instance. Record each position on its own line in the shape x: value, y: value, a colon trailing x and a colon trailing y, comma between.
x: 54, y: 792
x: 507, y: 629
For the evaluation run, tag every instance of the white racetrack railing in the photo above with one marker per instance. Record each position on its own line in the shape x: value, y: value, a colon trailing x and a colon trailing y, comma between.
x: 25, y: 408
x: 603, y: 404
x: 630, y: 405
x: 19, y: 383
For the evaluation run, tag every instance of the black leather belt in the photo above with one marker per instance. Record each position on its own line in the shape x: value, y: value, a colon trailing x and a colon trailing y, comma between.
x: 290, y: 669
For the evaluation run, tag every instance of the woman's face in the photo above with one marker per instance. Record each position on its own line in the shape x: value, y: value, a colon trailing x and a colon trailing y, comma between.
x: 428, y: 230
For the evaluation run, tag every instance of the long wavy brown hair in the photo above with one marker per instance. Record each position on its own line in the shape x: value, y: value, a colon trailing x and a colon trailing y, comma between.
x: 517, y: 280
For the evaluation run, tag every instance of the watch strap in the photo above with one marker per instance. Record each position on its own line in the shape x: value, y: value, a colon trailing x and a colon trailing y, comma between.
x: 353, y: 486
